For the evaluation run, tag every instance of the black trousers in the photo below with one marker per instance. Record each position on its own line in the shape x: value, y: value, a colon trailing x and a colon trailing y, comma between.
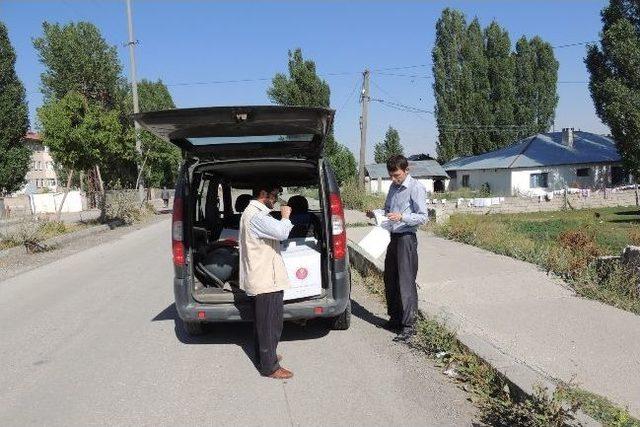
x: 400, y: 270
x: 267, y: 329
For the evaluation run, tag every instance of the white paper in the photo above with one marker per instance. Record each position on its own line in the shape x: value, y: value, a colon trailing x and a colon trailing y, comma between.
x: 375, y: 242
x: 380, y: 216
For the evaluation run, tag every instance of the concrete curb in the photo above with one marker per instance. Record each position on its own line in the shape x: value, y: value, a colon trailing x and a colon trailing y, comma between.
x: 59, y: 240
x: 518, y: 374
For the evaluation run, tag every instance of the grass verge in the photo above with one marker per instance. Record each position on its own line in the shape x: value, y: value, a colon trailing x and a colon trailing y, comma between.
x: 565, y: 243
x: 498, y: 402
x: 597, y: 407
x: 31, y: 231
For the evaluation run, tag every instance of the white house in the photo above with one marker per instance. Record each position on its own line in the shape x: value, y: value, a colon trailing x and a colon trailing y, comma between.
x: 541, y: 163
x: 428, y: 172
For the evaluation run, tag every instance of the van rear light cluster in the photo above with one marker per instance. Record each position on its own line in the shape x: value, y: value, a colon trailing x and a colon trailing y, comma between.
x: 177, y: 233
x: 337, y: 227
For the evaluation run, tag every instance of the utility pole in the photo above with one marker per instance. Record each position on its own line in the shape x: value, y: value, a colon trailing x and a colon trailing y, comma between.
x: 134, y: 91
x: 364, y: 101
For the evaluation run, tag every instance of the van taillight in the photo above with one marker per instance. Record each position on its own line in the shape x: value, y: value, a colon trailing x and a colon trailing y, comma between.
x: 337, y: 226
x: 177, y: 244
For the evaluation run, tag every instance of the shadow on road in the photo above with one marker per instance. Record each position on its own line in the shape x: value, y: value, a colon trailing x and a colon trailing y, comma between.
x: 363, y: 313
x: 240, y: 333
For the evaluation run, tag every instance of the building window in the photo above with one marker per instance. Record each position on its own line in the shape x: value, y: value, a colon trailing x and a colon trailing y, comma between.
x: 465, y: 180
x: 539, y: 180
x: 453, y: 174
x: 583, y: 172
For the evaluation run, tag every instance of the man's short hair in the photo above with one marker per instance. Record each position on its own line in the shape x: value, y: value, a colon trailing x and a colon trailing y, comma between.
x: 397, y: 162
x: 269, y: 188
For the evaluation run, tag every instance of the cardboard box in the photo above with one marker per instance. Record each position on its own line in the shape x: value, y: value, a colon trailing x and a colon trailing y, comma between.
x: 302, y: 260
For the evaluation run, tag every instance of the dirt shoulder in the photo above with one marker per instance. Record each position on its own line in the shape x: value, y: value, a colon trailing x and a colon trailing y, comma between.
x: 21, y: 262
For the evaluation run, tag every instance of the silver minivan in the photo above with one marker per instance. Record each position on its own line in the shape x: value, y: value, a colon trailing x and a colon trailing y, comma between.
x: 226, y: 152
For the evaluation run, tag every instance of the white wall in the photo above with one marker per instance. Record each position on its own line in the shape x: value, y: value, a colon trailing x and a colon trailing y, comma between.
x: 49, y: 202
x: 386, y: 183
x: 499, y: 180
x: 561, y: 176
x: 516, y: 181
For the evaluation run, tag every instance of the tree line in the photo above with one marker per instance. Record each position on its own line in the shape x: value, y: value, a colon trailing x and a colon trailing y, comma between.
x: 488, y: 95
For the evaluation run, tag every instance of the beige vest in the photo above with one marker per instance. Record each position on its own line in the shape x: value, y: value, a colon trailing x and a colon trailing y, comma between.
x: 261, y: 267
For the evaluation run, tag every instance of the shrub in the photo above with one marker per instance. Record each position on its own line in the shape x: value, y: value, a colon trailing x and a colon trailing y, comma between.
x: 124, y: 206
x: 354, y: 197
x: 485, y: 190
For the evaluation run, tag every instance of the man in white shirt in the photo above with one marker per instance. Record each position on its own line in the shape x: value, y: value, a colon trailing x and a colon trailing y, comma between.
x: 263, y: 275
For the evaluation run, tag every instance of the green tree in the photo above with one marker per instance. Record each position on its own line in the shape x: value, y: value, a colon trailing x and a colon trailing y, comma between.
x: 303, y: 87
x: 448, y: 85
x: 80, y: 135
x: 502, y: 85
x: 14, y: 120
x: 614, y: 68
x: 389, y: 147
x: 77, y: 58
x: 536, y: 77
x: 161, y: 159
x: 476, y: 109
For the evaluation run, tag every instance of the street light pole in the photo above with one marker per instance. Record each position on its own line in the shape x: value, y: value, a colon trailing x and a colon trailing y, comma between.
x: 364, y: 100
x: 134, y: 91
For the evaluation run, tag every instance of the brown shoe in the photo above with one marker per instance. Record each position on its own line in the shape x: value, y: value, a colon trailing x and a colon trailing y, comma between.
x: 281, y: 374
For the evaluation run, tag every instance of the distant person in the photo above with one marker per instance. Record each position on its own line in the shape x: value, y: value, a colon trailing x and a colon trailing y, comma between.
x: 406, y: 209
x: 263, y: 275
x: 166, y: 195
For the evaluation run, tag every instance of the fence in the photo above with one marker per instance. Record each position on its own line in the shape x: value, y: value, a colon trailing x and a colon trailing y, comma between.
x: 593, y: 199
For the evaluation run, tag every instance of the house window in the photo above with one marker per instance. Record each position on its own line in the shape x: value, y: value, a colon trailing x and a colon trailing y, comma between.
x: 453, y: 174
x: 583, y: 172
x: 539, y: 180
x: 465, y: 180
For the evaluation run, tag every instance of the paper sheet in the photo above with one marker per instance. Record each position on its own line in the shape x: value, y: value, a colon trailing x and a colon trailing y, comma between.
x: 380, y: 217
x: 375, y: 242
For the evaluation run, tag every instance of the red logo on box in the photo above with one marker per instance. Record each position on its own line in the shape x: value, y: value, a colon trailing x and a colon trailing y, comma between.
x: 302, y: 273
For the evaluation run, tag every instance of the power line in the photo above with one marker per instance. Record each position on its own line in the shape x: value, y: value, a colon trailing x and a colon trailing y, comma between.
x: 346, y: 101
x: 406, y: 67
x: 574, y: 44
x: 413, y: 76
x: 402, y: 107
x: 215, y: 82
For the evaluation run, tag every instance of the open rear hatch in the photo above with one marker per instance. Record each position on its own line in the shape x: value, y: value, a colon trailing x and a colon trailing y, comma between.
x: 220, y: 133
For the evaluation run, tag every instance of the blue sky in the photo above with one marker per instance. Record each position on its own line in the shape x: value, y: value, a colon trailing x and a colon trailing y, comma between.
x: 191, y: 45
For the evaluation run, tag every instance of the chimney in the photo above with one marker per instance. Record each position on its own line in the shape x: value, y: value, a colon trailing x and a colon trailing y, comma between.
x: 567, y: 137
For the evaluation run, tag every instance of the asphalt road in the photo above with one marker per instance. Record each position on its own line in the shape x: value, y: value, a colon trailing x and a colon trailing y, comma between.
x: 93, y: 338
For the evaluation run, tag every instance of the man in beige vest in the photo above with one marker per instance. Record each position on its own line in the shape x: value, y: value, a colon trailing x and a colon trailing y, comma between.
x: 263, y: 275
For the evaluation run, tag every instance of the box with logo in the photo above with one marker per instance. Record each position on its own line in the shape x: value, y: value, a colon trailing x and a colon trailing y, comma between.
x: 302, y: 260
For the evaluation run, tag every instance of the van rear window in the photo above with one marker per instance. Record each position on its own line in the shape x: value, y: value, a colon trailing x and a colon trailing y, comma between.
x: 215, y: 140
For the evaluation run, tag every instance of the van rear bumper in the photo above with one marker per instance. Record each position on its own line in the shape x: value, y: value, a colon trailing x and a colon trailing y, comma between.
x: 193, y: 311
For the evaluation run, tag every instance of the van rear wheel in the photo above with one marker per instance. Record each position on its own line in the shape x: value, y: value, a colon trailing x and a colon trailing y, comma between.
x: 193, y: 328
x: 343, y: 320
